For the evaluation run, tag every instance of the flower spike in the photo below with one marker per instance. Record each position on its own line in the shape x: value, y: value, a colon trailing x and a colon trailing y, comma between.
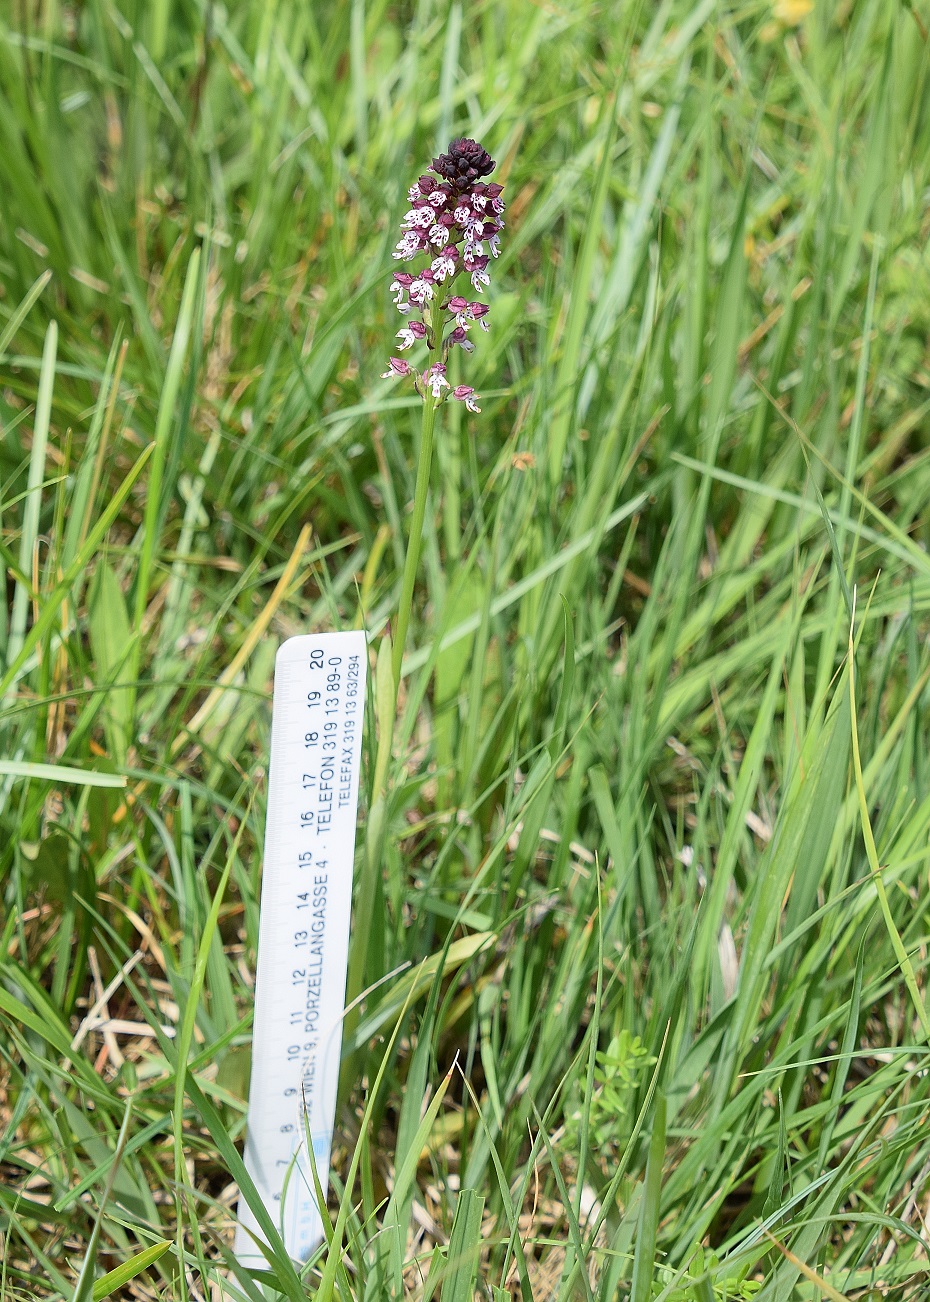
x: 453, y: 225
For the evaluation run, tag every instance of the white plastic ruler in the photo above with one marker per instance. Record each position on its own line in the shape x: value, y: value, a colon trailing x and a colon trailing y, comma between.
x: 303, y: 937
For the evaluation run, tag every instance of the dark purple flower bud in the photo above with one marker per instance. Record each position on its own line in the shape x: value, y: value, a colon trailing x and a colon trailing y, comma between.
x: 477, y: 310
x: 458, y: 304
x: 463, y: 164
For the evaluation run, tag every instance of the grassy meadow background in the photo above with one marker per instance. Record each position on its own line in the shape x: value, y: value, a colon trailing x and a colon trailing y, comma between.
x: 653, y: 908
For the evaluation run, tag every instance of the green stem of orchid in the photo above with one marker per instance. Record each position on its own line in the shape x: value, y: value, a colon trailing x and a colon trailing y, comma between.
x: 421, y: 493
x: 374, y: 834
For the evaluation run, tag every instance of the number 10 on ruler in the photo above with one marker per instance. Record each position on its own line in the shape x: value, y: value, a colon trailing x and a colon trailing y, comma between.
x: 303, y: 938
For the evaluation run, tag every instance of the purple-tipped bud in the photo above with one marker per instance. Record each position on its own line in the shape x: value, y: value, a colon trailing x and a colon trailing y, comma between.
x: 410, y: 333
x: 397, y: 369
x: 465, y: 393
x: 460, y: 336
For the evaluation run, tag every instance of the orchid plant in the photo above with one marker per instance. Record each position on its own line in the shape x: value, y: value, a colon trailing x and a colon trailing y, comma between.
x: 450, y: 233
x: 452, y: 230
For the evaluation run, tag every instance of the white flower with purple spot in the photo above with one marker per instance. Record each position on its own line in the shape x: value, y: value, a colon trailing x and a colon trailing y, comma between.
x: 408, y: 247
x: 437, y: 198
x: 421, y: 291
x: 435, y: 379
x: 444, y: 265
x: 399, y: 286
x: 479, y: 278
x: 419, y: 217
